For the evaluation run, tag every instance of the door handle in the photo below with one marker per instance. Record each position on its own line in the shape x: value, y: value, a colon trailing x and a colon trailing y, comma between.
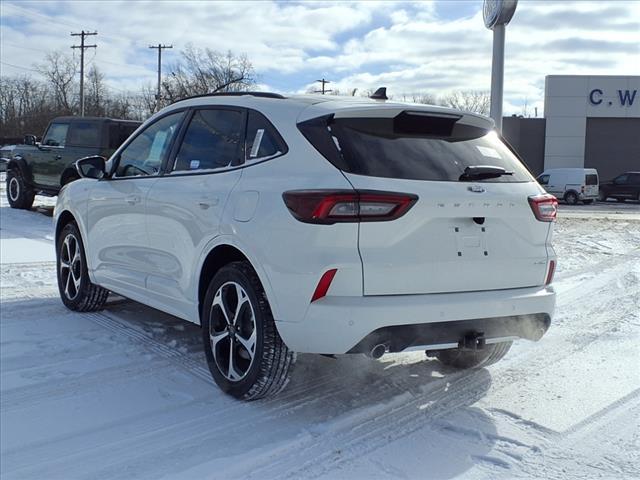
x: 58, y: 157
x: 132, y: 199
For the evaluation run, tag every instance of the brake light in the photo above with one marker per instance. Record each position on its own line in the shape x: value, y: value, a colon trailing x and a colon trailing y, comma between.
x: 551, y: 272
x: 545, y: 207
x: 333, y: 206
x: 323, y: 285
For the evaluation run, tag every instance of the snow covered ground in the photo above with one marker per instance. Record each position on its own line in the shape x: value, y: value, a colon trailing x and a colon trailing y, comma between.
x: 125, y: 393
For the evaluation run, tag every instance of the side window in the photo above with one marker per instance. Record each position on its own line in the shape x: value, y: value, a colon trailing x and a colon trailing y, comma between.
x: 144, y: 155
x: 262, y: 138
x: 56, y: 135
x: 119, y: 132
x: 543, y: 179
x: 621, y: 180
x: 634, y: 178
x: 212, y: 140
x: 85, y: 134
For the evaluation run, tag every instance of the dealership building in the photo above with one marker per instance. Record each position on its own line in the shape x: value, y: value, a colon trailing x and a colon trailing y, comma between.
x: 589, y: 121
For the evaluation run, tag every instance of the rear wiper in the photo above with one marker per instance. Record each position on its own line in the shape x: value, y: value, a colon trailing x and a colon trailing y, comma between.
x: 482, y: 172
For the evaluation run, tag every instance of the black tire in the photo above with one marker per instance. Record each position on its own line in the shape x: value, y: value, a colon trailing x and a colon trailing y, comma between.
x: 267, y: 372
x: 19, y: 192
x: 620, y: 199
x: 602, y: 196
x: 76, y: 290
x: 465, y: 359
x: 571, y: 198
x: 587, y: 202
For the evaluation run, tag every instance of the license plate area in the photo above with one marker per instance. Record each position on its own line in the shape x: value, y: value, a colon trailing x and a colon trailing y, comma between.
x: 471, y: 240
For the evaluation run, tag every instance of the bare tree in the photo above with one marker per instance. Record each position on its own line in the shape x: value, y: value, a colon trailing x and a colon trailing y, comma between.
x: 96, y: 92
x: 201, y: 71
x: 425, y: 98
x: 477, y: 101
x: 60, y: 71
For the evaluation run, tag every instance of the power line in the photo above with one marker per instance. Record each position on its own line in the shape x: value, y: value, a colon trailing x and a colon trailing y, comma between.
x: 82, y: 48
x: 18, y: 66
x: 159, y: 47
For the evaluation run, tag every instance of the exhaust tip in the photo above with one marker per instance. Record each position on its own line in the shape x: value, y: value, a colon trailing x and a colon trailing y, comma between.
x: 378, y: 351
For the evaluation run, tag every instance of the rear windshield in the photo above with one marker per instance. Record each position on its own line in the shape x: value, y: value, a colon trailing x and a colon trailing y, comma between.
x: 591, y: 179
x: 430, y: 148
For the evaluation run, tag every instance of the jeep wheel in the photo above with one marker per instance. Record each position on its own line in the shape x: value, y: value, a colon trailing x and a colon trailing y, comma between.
x: 76, y: 290
x: 246, y: 356
x: 602, y: 196
x: 571, y: 198
x: 465, y: 359
x: 19, y: 193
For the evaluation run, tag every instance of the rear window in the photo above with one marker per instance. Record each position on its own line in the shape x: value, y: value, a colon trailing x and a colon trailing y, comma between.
x: 85, y: 134
x: 412, y: 147
x: 591, y: 179
x: 262, y: 139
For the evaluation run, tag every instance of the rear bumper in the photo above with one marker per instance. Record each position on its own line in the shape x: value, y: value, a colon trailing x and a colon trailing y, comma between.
x: 336, y: 325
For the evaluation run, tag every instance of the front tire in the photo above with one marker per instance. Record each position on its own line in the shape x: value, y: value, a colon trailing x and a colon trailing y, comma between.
x: 246, y: 356
x: 602, y: 196
x: 467, y: 359
x: 19, y: 193
x: 76, y: 290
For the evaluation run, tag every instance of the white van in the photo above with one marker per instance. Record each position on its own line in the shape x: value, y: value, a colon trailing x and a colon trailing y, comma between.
x: 571, y: 184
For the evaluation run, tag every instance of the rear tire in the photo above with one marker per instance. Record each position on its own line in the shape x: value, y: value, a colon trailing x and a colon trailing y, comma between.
x: 587, y: 202
x: 19, y: 193
x: 621, y: 200
x: 246, y: 356
x: 76, y: 290
x: 602, y: 196
x: 571, y: 198
x: 466, y: 359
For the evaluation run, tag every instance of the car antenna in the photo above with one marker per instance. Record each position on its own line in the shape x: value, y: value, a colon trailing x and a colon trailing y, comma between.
x: 380, y: 94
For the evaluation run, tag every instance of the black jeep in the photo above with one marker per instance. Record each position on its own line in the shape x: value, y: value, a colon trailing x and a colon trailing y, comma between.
x: 44, y: 168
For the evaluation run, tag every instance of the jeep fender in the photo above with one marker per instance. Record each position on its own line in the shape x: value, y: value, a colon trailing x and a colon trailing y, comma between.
x: 19, y: 163
x: 68, y: 174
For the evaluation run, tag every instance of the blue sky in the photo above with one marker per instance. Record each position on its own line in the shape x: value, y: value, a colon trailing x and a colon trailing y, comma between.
x: 409, y: 47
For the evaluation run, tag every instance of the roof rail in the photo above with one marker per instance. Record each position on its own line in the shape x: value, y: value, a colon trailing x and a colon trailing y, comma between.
x: 235, y: 94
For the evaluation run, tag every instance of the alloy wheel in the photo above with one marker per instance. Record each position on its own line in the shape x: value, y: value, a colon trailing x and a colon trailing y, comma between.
x: 232, y: 331
x: 14, y: 189
x: 70, y: 266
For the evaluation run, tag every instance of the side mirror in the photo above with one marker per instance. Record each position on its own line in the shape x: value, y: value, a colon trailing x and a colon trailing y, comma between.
x: 91, y: 167
x: 29, y: 140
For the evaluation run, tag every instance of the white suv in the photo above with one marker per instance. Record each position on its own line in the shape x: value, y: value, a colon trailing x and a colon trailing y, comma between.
x: 314, y: 224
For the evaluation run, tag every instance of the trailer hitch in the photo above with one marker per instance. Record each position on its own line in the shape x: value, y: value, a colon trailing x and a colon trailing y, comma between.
x: 472, y: 341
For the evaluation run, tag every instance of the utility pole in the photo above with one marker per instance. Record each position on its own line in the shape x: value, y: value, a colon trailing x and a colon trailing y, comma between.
x: 160, y: 47
x: 323, y: 82
x: 82, y: 48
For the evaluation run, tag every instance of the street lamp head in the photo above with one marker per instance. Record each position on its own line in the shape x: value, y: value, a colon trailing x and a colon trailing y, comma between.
x: 498, y: 12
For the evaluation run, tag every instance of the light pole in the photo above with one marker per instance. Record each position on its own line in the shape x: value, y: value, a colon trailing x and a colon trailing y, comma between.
x: 496, y: 14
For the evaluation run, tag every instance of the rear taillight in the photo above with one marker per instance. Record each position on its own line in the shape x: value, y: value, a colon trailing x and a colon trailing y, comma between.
x: 333, y: 206
x: 550, y: 272
x: 545, y: 207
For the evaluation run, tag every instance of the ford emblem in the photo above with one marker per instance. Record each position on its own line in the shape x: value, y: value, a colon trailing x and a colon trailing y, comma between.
x: 476, y: 188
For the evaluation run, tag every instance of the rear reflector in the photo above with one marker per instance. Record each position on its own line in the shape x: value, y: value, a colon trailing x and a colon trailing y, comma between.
x: 324, y: 284
x: 332, y: 206
x: 545, y: 207
x: 551, y: 272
